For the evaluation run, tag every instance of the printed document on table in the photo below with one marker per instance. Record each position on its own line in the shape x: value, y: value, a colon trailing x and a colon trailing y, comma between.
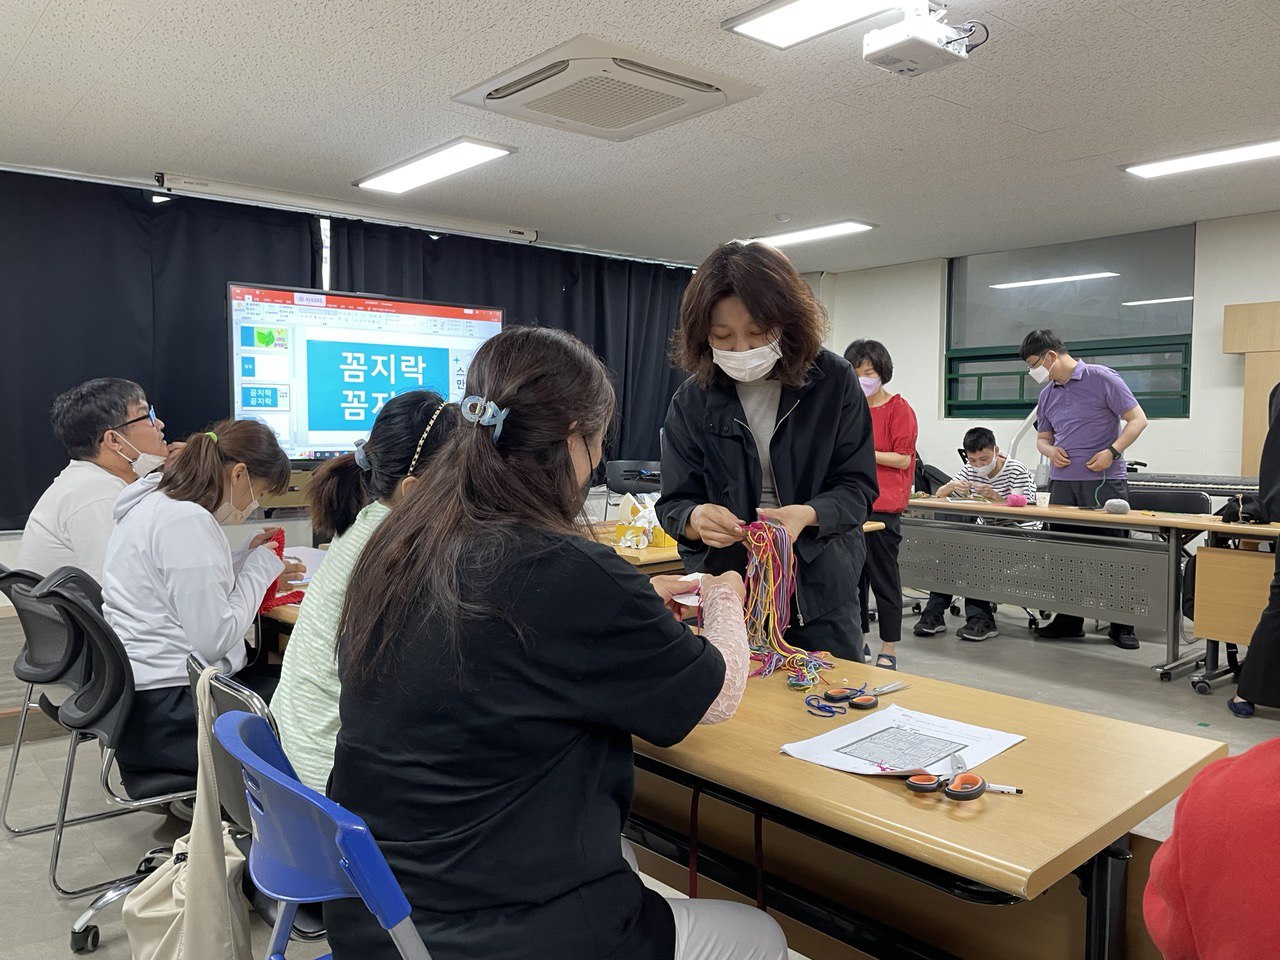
x: 897, y: 742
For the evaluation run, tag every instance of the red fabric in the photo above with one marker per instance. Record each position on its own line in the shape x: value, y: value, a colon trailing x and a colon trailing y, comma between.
x: 271, y: 600
x: 894, y: 427
x: 1212, y: 891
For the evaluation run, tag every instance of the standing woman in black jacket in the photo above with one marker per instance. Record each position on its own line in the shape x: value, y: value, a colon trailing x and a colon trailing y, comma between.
x: 769, y: 424
x: 1260, y: 672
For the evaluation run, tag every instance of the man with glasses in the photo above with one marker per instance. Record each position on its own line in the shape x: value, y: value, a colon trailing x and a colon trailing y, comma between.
x: 1086, y: 418
x: 113, y: 437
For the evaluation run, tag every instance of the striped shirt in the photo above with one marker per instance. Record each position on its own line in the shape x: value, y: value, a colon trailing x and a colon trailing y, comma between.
x: 1013, y: 477
x: 305, y: 704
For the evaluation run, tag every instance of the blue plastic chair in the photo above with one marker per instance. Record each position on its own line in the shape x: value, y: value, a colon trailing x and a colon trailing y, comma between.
x: 306, y: 848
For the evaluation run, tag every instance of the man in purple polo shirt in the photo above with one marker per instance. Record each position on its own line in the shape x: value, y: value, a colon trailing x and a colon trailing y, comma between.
x: 1087, y: 418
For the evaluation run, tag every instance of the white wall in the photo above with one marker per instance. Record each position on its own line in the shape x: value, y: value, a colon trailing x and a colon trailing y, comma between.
x: 904, y: 306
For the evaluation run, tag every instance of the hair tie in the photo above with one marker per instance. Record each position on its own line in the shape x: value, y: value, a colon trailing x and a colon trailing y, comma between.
x: 486, y: 413
x: 210, y: 433
x: 423, y: 439
x: 362, y: 458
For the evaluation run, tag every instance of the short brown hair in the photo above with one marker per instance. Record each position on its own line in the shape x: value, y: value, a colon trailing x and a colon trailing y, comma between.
x: 195, y: 474
x: 773, y: 292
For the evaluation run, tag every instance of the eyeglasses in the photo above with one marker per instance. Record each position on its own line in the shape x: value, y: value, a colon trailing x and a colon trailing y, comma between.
x: 149, y: 415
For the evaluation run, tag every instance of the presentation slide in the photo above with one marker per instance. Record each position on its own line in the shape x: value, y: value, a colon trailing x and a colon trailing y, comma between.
x: 317, y: 367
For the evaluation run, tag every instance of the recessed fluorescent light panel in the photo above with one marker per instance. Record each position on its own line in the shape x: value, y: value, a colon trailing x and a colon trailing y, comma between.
x: 841, y: 229
x: 1043, y: 281
x: 443, y: 161
x: 784, y: 23
x: 1203, y: 161
x: 1147, y: 303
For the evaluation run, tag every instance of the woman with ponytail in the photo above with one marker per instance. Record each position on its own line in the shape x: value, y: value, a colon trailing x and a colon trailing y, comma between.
x: 496, y: 663
x: 349, y: 496
x: 171, y: 584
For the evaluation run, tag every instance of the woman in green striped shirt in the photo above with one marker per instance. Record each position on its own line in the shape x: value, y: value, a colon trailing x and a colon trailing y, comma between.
x: 349, y: 497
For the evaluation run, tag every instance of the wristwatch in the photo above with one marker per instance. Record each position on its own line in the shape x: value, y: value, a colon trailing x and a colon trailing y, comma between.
x: 1114, y: 452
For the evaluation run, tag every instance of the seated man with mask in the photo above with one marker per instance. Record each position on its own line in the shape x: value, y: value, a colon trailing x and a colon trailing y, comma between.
x: 990, y: 474
x: 113, y: 437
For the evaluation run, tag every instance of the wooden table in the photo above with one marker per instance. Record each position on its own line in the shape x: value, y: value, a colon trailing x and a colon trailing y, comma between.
x: 1088, y: 780
x: 1125, y: 581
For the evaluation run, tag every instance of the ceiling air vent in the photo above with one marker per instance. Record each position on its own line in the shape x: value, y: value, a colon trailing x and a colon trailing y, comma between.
x: 604, y: 90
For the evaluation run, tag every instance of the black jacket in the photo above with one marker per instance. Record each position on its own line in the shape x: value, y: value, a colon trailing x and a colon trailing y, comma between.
x: 1269, y: 467
x: 823, y: 454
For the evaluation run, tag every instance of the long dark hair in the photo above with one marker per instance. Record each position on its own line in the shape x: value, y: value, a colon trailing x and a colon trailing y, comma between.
x: 773, y: 292
x: 458, y: 526
x: 196, y: 473
x: 408, y: 431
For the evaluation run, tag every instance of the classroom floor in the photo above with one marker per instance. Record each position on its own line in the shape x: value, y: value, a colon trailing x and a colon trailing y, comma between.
x: 1090, y: 675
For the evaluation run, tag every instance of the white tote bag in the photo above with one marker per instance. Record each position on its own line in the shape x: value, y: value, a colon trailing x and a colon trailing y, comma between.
x: 192, y: 907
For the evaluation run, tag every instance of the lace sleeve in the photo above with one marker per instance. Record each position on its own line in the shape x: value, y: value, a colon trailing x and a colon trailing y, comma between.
x: 725, y: 628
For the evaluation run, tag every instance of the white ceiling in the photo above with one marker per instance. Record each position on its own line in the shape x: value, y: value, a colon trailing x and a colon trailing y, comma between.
x: 1020, y: 146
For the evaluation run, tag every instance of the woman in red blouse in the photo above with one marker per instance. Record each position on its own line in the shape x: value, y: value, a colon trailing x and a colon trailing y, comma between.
x: 894, y: 424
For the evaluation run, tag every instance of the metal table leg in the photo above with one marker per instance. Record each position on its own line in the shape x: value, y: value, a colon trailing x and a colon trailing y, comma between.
x: 1103, y: 883
x: 1174, y: 662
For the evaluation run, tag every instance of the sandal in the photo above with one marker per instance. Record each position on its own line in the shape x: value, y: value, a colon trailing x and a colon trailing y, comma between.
x: 892, y: 661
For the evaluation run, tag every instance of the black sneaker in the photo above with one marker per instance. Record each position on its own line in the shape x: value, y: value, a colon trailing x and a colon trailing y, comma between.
x: 1123, y: 637
x: 978, y: 628
x: 1062, y: 628
x: 929, y: 624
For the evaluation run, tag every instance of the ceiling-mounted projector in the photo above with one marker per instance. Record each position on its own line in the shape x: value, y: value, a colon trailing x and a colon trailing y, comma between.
x: 920, y: 42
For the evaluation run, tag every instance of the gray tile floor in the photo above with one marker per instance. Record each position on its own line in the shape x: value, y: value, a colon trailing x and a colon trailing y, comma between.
x: 1089, y: 675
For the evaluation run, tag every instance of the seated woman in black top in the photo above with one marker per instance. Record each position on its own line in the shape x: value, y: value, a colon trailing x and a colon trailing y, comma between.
x: 495, y: 663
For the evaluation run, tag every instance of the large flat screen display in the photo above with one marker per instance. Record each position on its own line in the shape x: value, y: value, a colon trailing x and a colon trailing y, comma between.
x: 317, y: 366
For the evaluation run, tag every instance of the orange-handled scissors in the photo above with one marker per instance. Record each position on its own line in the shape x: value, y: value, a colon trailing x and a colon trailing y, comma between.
x: 961, y: 785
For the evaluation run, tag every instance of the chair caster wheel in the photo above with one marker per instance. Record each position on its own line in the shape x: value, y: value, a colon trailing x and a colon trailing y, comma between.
x: 84, y: 941
x: 916, y: 608
x: 1202, y: 687
x: 873, y: 616
x: 1033, y: 624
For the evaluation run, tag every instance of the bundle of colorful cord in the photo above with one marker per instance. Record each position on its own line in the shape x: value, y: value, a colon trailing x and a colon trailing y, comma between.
x: 771, y: 583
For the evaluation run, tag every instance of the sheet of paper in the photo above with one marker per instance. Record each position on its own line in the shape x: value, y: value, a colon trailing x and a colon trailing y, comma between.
x: 693, y: 598
x: 309, y: 557
x: 898, y: 742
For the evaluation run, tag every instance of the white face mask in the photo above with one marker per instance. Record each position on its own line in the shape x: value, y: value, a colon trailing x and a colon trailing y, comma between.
x: 1040, y: 372
x: 229, y: 513
x: 746, y: 366
x: 145, y: 462
x: 988, y: 470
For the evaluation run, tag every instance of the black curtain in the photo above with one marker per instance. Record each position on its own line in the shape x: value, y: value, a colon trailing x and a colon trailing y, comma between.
x: 625, y: 310
x: 99, y: 281
x: 201, y: 245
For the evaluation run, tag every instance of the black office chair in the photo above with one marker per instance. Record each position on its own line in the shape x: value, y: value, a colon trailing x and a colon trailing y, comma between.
x: 99, y: 710
x: 633, y: 476
x: 52, y: 653
x: 230, y: 696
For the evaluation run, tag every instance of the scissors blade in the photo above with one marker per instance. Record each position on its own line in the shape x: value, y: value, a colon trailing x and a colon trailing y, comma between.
x: 890, y: 688
x: 958, y: 766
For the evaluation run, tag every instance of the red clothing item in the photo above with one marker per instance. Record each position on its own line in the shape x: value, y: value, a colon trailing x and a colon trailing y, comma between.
x: 1212, y: 892
x: 894, y: 425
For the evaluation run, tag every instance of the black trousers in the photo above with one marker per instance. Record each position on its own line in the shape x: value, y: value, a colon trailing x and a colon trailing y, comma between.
x: 881, y: 577
x: 160, y: 734
x: 1260, y: 672
x: 1090, y: 494
x: 836, y: 631
x: 938, y: 603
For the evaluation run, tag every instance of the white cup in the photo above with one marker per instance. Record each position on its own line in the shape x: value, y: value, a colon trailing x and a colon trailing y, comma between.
x: 1042, y: 498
